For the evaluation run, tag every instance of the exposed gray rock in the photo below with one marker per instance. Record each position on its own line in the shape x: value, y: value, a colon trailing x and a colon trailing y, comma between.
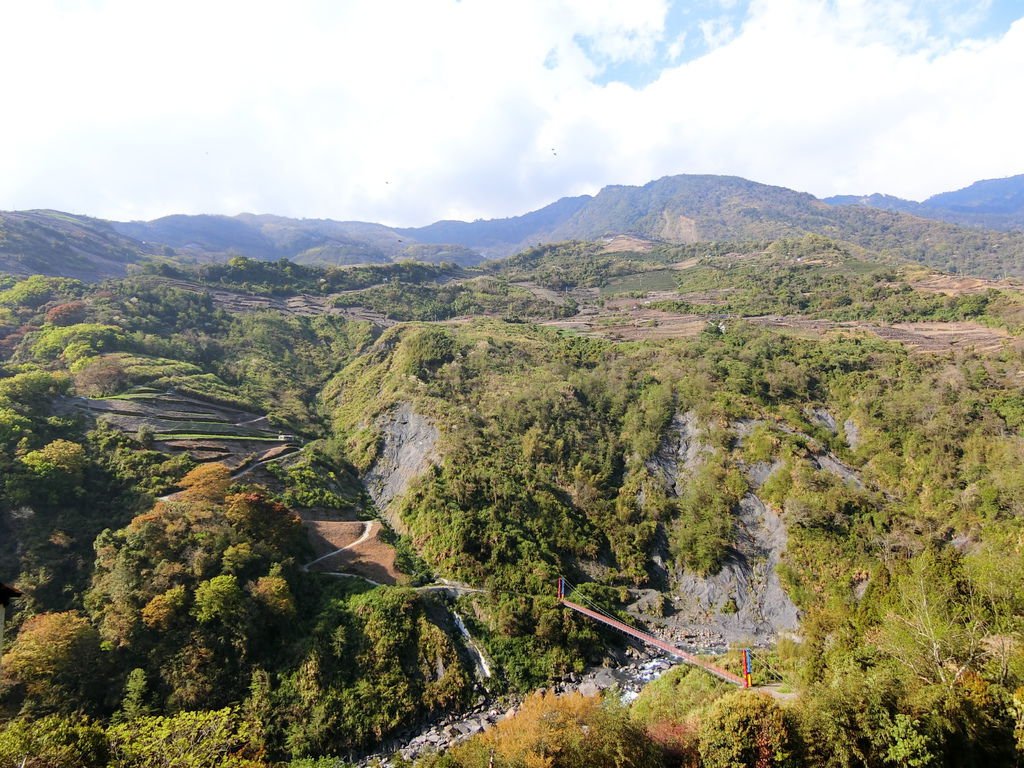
x: 852, y: 434
x: 963, y: 542
x: 680, y: 453
x: 744, y: 427
x: 823, y: 418
x: 626, y: 680
x: 647, y: 601
x: 831, y: 463
x: 759, y: 472
x: 408, y: 440
x: 744, y: 601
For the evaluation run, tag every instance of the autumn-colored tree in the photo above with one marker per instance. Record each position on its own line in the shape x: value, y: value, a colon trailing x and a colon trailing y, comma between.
x: 257, y: 517
x: 68, y: 313
x: 55, y: 659
x: 207, y: 482
x: 100, y: 376
x: 274, y: 594
x: 205, y: 586
x: 163, y: 609
x: 571, y: 731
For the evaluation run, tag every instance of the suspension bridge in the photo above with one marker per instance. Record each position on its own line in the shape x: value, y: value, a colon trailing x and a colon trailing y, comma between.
x: 597, y: 614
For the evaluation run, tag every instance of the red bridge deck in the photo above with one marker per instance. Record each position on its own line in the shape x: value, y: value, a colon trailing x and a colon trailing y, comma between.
x: 689, y: 658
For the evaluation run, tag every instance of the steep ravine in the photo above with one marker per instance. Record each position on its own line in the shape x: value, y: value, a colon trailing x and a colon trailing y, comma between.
x: 408, y: 441
x: 700, y: 616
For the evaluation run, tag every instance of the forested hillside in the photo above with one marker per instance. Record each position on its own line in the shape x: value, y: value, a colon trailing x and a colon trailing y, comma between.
x: 271, y: 514
x: 61, y: 244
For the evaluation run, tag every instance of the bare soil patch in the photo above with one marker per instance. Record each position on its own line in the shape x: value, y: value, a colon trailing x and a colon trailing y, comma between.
x: 372, y: 559
x: 628, y: 243
x: 207, y: 431
x: 307, y: 305
x: 326, y: 536
x: 942, y: 337
x: 958, y: 285
x: 631, y: 319
x: 547, y: 294
x: 934, y: 337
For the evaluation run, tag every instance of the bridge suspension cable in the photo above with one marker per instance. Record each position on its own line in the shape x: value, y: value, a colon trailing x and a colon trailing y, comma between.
x: 598, y: 614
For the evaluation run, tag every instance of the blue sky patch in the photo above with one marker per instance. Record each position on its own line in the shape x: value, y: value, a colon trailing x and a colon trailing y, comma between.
x: 693, y: 29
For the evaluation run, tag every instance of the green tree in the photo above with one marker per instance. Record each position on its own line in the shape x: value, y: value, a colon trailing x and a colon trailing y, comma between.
x: 744, y: 730
x: 219, y: 598
x: 215, y: 739
x: 908, y: 746
x: 61, y: 462
x: 134, y: 704
x: 936, y: 621
x: 54, y: 741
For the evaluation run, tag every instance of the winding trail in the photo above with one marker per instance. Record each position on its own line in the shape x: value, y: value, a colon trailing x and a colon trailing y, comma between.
x: 247, y: 468
x: 352, y: 576
x: 288, y: 450
x: 250, y: 422
x: 367, y: 528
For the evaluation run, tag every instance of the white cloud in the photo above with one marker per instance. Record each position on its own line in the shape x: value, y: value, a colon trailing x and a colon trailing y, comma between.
x: 716, y: 32
x: 406, y: 112
x: 676, y: 48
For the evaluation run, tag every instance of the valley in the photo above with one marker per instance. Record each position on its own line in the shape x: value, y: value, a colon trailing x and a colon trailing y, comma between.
x: 320, y: 512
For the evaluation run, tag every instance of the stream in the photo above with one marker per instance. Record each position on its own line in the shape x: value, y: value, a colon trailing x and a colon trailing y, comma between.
x: 482, y: 667
x: 443, y: 734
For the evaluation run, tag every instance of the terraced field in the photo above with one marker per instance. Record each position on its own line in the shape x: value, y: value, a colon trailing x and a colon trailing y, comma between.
x: 178, y: 423
x: 302, y: 305
x: 635, y: 320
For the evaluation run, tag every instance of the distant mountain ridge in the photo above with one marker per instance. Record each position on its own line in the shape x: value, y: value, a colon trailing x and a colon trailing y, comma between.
x: 991, y: 203
x: 305, y: 241
x: 973, y: 234
x: 495, y: 236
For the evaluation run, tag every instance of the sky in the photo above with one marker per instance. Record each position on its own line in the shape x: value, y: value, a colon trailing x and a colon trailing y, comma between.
x: 406, y: 112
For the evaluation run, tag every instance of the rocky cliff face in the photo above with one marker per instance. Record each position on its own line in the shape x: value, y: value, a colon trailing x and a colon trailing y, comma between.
x: 680, y: 453
x: 744, y: 601
x: 408, y: 441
